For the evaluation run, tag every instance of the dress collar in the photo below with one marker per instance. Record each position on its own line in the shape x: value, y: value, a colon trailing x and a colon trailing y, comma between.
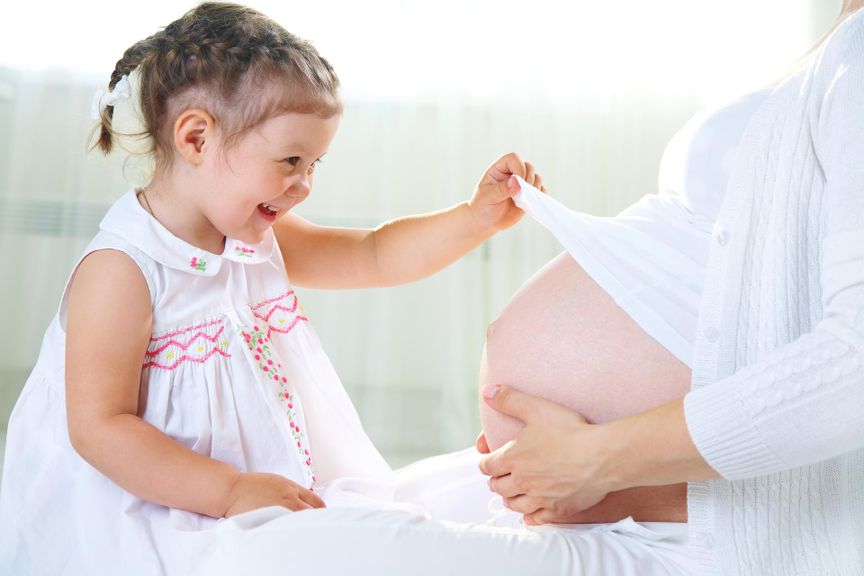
x: 128, y: 219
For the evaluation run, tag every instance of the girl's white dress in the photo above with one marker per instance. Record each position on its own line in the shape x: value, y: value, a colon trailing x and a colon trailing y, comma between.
x: 233, y: 370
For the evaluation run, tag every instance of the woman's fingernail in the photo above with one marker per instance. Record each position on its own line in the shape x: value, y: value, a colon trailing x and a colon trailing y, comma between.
x: 489, y: 390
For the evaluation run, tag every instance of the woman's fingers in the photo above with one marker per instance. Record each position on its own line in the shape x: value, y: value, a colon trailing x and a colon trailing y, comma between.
x: 497, y: 463
x: 481, y: 444
x: 507, y: 486
x: 523, y: 504
x: 525, y: 407
x: 539, y: 517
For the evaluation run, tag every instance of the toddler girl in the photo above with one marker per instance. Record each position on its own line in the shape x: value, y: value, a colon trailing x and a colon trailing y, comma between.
x: 180, y: 381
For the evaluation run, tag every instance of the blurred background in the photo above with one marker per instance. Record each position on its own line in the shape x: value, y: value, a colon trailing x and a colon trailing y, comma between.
x: 590, y: 91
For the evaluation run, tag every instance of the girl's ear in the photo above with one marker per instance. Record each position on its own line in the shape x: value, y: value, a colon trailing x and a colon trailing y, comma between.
x: 193, y: 132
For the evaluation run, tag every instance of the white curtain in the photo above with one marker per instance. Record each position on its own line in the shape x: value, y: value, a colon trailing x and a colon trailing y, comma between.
x: 434, y: 93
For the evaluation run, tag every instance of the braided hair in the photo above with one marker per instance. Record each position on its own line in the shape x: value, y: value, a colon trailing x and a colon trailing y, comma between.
x: 239, y: 65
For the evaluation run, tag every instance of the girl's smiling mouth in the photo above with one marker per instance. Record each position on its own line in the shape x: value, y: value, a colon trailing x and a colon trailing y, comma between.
x: 269, y: 212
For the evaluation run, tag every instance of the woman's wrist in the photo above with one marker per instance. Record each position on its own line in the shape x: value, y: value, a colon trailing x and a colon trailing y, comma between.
x: 619, y: 469
x: 654, y: 448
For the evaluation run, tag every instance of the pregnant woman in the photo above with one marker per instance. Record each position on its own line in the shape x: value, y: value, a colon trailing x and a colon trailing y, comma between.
x: 608, y: 328
x: 761, y: 218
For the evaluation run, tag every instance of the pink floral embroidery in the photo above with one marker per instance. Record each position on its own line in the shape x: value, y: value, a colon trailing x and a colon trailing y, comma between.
x: 259, y: 345
x: 198, y: 264
x: 195, y: 344
x: 243, y: 251
x: 281, y: 314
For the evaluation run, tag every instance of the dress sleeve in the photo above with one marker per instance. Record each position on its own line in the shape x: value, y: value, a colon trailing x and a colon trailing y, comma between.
x: 804, y: 402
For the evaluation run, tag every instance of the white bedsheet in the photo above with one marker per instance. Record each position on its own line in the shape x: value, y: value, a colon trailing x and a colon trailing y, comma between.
x: 440, y: 525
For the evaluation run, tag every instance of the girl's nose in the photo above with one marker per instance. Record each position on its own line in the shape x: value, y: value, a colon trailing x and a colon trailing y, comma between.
x: 301, y: 186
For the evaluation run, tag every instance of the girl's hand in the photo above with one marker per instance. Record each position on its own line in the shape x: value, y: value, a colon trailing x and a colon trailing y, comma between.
x: 557, y: 466
x: 253, y: 490
x: 492, y: 205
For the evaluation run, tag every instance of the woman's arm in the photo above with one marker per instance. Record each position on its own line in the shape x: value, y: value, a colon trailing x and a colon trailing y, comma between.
x: 801, y: 403
x: 405, y: 249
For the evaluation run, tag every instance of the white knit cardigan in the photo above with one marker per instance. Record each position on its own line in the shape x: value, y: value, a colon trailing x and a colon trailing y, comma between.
x: 777, y: 404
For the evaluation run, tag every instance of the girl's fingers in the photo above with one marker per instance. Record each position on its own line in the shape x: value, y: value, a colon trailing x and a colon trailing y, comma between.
x: 505, y: 166
x: 501, y: 191
x: 529, y: 173
x: 312, y: 499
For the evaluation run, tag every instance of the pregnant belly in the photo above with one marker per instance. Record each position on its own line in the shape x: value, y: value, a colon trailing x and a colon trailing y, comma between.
x: 563, y: 338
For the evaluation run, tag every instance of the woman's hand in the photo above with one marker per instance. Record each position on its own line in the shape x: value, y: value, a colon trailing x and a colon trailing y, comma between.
x: 557, y: 466
x: 253, y: 490
x: 492, y: 205
x: 560, y: 465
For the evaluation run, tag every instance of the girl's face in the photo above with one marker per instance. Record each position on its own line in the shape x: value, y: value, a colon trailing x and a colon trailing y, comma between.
x: 269, y: 171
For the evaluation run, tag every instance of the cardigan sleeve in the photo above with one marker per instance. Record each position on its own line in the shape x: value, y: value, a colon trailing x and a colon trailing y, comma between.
x: 804, y: 402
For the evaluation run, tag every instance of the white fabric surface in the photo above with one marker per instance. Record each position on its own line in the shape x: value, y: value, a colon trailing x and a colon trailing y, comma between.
x: 374, y: 541
x: 440, y: 524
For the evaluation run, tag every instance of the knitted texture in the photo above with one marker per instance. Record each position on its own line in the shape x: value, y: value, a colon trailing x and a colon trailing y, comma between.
x: 777, y: 405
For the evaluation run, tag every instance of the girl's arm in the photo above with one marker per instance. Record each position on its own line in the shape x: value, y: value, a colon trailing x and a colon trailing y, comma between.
x: 405, y: 249
x: 108, y: 329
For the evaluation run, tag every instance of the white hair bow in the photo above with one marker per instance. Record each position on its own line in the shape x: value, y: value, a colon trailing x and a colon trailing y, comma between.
x: 101, y: 100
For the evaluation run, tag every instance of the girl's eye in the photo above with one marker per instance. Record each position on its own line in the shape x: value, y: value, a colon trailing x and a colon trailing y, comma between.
x: 292, y: 161
x: 313, y: 165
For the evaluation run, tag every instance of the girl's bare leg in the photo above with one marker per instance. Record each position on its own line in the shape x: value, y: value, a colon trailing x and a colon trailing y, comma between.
x: 563, y: 338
